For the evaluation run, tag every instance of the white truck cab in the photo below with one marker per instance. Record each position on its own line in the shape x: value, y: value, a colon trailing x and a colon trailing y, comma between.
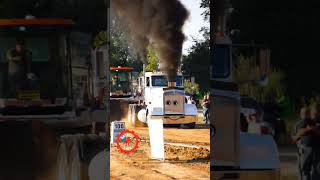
x: 235, y: 155
x: 166, y: 100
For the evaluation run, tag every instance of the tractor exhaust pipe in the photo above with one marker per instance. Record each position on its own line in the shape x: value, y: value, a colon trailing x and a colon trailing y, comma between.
x: 172, y: 84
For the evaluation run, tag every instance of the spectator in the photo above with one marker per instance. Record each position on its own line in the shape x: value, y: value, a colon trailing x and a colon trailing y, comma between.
x: 206, y: 108
x: 190, y: 100
x: 253, y: 125
x: 19, y: 66
x: 315, y: 116
x: 304, y: 135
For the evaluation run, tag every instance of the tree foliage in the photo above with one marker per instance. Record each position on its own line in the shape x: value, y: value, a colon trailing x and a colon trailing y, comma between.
x: 152, y: 60
x: 191, y: 87
x: 205, y: 4
x: 122, y: 53
x: 247, y: 73
x: 100, y: 39
x: 286, y: 26
x: 197, y: 63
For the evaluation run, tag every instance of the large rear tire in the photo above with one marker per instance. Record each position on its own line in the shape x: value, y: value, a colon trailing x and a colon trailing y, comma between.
x: 191, y: 125
x: 132, y: 120
x: 171, y: 125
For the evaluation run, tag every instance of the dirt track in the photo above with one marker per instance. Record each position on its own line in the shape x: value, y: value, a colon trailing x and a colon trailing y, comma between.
x: 186, y: 152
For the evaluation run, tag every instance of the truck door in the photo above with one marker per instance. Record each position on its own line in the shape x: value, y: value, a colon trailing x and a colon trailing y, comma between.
x: 225, y: 110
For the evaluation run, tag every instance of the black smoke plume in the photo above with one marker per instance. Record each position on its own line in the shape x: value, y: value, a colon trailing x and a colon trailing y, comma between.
x: 158, y: 23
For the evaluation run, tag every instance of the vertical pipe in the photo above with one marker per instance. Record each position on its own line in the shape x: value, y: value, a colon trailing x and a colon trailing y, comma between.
x: 107, y: 73
x: 69, y: 64
x: 107, y: 88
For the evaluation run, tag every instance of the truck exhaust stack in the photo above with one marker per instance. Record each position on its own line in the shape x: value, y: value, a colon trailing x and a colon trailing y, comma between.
x: 172, y: 84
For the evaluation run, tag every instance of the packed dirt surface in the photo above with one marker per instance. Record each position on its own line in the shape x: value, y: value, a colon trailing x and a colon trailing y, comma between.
x: 288, y: 158
x: 187, y: 156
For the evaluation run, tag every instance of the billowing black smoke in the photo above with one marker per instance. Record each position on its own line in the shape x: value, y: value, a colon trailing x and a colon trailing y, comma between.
x: 156, y: 22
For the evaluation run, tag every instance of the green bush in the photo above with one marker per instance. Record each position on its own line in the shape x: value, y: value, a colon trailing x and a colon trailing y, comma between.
x: 246, y: 73
x: 191, y: 87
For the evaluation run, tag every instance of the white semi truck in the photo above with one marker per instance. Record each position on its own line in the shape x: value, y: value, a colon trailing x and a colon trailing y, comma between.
x: 234, y: 154
x: 162, y: 99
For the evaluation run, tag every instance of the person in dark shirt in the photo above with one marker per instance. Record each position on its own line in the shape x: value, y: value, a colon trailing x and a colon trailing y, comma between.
x: 19, y: 65
x: 315, y: 116
x: 301, y: 135
x: 305, y: 134
x: 206, y: 108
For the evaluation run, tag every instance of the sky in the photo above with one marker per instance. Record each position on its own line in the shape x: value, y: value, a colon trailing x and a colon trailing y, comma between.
x: 193, y: 24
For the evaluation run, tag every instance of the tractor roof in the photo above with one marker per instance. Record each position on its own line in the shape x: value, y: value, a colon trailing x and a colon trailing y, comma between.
x: 121, y: 68
x: 35, y: 22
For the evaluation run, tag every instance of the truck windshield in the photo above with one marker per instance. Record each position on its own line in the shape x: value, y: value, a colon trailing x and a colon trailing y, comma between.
x: 161, y: 81
x: 220, y: 61
x: 120, y: 82
x: 32, y: 63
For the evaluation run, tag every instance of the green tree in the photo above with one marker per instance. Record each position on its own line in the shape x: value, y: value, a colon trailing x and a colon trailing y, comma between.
x: 205, y: 4
x: 197, y: 64
x: 100, y: 39
x: 247, y: 73
x: 191, y: 87
x: 284, y: 26
x: 152, y: 60
x: 121, y: 52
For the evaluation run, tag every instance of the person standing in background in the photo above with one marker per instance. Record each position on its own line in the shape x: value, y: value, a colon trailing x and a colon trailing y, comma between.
x: 19, y: 66
x: 315, y: 116
x: 206, y: 108
x: 253, y: 125
x: 304, y: 137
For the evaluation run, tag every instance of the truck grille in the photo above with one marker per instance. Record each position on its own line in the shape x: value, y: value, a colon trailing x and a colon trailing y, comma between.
x: 173, y: 100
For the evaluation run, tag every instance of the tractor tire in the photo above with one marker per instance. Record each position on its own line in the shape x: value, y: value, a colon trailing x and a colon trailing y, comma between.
x: 132, y: 120
x: 172, y: 125
x: 75, y: 152
x: 191, y: 125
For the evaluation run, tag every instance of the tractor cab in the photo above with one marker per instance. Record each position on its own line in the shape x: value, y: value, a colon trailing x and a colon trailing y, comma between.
x: 35, y: 70
x: 121, y: 82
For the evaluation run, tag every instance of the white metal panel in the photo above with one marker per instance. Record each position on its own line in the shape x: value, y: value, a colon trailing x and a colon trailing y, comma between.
x: 190, y: 110
x: 258, y: 152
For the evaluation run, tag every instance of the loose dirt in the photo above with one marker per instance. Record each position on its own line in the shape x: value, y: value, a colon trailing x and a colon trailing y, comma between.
x: 187, y: 156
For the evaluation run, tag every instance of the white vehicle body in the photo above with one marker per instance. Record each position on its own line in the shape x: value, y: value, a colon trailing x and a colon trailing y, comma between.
x: 260, y: 127
x: 235, y: 155
x: 165, y: 102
